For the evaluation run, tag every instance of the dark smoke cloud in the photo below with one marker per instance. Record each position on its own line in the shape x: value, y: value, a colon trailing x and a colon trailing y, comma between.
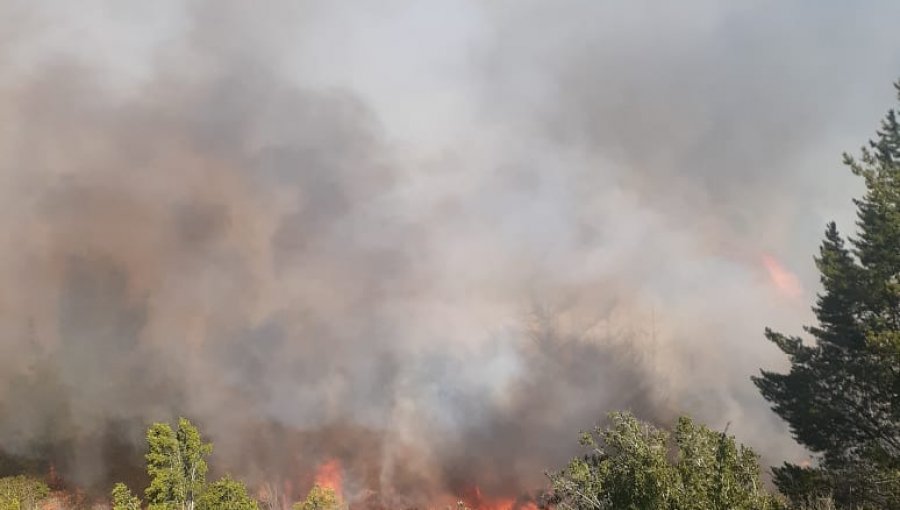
x: 431, y: 244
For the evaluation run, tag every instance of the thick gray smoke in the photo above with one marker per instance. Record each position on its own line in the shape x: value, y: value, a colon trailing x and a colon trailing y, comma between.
x: 428, y: 241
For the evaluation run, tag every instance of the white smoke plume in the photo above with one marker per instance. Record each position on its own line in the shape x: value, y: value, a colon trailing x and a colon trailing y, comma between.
x: 430, y: 240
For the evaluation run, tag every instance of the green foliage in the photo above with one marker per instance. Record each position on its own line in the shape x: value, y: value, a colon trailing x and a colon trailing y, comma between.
x: 840, y: 397
x: 192, y: 452
x: 817, y: 503
x: 226, y: 494
x: 176, y: 465
x: 123, y: 499
x: 633, y: 465
x: 861, y: 485
x: 319, y: 498
x: 22, y: 493
x: 166, y: 489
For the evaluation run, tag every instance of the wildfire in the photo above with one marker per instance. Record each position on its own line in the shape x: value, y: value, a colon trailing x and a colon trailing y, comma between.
x: 329, y: 475
x: 785, y: 281
x: 478, y: 501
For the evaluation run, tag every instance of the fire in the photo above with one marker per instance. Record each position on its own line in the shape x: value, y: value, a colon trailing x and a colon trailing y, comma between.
x: 496, y: 504
x: 477, y: 501
x: 785, y: 281
x: 53, y: 477
x: 329, y: 475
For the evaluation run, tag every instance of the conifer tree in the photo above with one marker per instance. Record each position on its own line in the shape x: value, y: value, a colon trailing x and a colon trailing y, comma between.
x: 841, y: 396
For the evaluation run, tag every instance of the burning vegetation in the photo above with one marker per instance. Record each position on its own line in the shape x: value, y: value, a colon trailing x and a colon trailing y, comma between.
x: 709, y: 470
x: 383, y: 275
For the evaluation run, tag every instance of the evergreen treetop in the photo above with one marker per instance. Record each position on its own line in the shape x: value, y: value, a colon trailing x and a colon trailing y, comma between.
x: 841, y: 396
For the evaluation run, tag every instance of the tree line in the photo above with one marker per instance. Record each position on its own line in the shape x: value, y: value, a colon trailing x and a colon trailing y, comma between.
x: 176, y: 463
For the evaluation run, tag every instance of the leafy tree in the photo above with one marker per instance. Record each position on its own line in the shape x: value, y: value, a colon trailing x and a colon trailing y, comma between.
x: 22, y: 493
x: 226, y: 494
x: 123, y: 499
x: 841, y: 397
x: 166, y: 489
x: 176, y: 465
x: 319, y: 498
x: 192, y: 452
x: 634, y: 465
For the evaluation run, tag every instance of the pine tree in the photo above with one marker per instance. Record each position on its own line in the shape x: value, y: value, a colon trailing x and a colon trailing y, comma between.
x: 841, y: 397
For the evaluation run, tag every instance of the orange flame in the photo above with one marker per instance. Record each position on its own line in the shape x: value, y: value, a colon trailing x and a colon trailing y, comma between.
x: 785, y: 281
x: 498, y: 504
x: 478, y: 501
x: 329, y: 475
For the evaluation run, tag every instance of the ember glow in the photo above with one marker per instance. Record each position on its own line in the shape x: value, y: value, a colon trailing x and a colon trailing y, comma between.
x: 475, y: 500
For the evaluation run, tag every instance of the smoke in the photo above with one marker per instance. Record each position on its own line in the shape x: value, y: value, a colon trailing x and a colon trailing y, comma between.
x: 426, y: 243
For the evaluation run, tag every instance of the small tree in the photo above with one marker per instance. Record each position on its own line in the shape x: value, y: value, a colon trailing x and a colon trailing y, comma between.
x: 634, y: 465
x: 22, y: 493
x: 192, y: 451
x: 176, y: 465
x: 226, y: 494
x: 123, y: 499
x: 271, y: 497
x: 166, y: 489
x: 319, y: 498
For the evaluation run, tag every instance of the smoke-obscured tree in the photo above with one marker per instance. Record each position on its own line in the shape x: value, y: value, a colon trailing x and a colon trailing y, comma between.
x: 634, y: 465
x: 271, y: 497
x: 841, y: 397
x: 817, y: 503
x: 123, y: 499
x: 176, y: 465
x: 22, y: 493
x: 319, y: 498
x: 226, y: 494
